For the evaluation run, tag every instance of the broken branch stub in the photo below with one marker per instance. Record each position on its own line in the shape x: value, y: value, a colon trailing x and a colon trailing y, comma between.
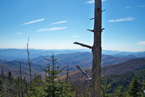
x: 84, y: 72
x: 83, y: 45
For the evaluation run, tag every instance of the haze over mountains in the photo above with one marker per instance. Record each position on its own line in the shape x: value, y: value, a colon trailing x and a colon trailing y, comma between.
x: 11, y: 58
x: 12, y: 54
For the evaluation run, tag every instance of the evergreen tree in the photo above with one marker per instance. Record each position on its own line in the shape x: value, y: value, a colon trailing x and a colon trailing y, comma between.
x: 2, y: 72
x: 104, y: 88
x: 119, y: 92
x: 134, y: 88
x: 53, y: 86
x: 143, y: 90
x: 36, y: 87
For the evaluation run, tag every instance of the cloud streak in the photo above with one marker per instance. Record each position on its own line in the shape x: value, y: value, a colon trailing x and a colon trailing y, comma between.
x: 141, y: 6
x: 59, y: 22
x: 127, y: 7
x: 18, y: 33
x: 121, y: 19
x: 51, y: 29
x: 75, y: 36
x: 141, y: 43
x: 92, y: 1
x: 39, y: 20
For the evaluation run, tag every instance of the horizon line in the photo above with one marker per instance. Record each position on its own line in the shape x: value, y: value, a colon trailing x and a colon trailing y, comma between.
x: 73, y: 49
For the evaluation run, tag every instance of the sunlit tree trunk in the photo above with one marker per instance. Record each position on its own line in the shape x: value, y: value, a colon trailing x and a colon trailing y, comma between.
x: 96, y: 50
x: 96, y: 67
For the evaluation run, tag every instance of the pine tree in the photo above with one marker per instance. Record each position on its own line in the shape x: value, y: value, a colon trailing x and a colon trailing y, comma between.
x: 53, y: 86
x: 104, y: 88
x: 36, y: 87
x: 143, y: 90
x: 2, y: 72
x: 134, y: 88
x: 119, y: 91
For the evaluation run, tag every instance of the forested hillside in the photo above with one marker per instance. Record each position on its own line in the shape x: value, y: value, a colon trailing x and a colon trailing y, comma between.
x: 83, y: 59
x: 117, y: 69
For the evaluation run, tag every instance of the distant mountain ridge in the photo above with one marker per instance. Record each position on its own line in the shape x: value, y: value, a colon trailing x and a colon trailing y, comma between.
x: 13, y: 66
x: 13, y: 54
x: 83, y: 59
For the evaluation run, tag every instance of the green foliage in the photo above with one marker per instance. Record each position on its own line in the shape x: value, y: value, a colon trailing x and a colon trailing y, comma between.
x: 104, y: 88
x: 53, y: 86
x: 119, y: 92
x: 35, y: 89
x: 10, y: 87
x: 134, y: 88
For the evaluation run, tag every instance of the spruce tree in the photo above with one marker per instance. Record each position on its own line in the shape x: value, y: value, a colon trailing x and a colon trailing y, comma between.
x: 53, y: 86
x: 134, y: 88
x: 36, y: 87
x: 119, y: 92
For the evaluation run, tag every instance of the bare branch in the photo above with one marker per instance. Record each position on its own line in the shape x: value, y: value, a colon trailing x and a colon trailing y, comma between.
x: 104, y: 10
x: 47, y: 59
x: 84, y: 72
x: 84, y: 45
x: 90, y: 30
x: 92, y: 18
x: 102, y: 29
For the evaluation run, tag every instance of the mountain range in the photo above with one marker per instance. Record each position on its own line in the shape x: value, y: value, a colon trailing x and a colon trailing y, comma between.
x: 13, y: 54
x: 11, y: 58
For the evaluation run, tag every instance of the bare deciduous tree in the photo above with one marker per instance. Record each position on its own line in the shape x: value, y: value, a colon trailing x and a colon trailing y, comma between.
x: 96, y: 50
x: 29, y: 63
x: 21, y: 87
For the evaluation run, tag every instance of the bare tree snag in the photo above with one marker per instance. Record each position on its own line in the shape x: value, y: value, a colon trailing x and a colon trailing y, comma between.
x: 67, y: 73
x: 29, y: 63
x: 96, y: 50
x: 21, y: 88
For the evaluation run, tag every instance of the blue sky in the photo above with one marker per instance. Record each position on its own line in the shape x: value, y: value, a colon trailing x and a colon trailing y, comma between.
x: 56, y: 24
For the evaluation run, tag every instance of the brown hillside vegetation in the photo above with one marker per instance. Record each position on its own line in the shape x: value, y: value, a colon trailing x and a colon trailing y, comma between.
x: 122, y: 68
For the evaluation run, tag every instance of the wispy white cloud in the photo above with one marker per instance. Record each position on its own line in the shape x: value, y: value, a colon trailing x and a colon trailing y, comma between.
x: 141, y: 43
x: 141, y: 6
x: 127, y: 7
x: 92, y: 1
x: 59, y: 22
x: 51, y: 29
x: 121, y: 19
x: 18, y: 33
x: 39, y: 20
x: 75, y: 36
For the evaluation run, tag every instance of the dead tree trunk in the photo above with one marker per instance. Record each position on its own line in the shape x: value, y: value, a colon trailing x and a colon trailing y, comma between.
x: 96, y: 68
x: 67, y: 77
x: 29, y: 63
x: 21, y: 87
x: 96, y: 50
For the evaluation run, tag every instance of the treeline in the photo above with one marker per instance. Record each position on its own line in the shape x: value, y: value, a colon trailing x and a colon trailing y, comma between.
x: 51, y: 85
x: 125, y: 85
x: 48, y: 86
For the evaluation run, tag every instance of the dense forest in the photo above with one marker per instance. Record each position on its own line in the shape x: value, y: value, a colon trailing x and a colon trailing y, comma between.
x: 51, y: 84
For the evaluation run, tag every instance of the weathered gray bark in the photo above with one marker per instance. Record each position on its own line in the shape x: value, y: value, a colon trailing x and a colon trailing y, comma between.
x: 96, y: 50
x: 96, y: 68
x: 29, y: 63
x: 21, y: 88
x: 67, y: 75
